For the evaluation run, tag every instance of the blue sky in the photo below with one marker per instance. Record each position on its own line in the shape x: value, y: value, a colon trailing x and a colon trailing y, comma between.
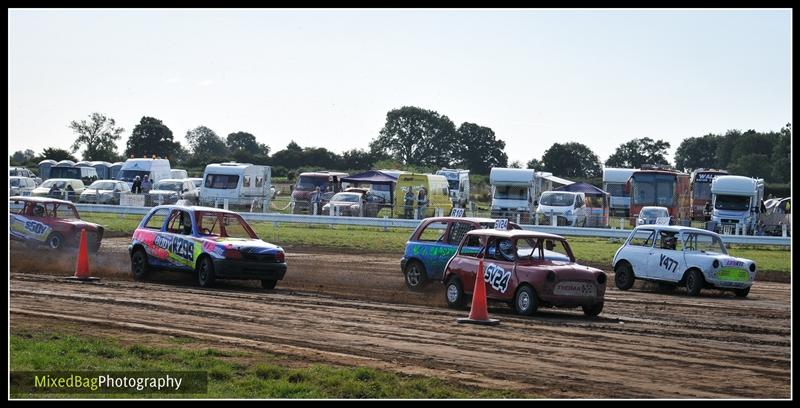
x: 326, y: 78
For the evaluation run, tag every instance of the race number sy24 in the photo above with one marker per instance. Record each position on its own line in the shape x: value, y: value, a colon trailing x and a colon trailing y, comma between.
x: 497, y: 277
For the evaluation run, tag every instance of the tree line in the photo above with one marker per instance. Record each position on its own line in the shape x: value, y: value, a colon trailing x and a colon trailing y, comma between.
x: 418, y: 139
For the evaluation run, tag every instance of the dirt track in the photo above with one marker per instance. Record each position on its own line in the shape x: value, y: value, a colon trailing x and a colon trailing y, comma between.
x: 353, y: 309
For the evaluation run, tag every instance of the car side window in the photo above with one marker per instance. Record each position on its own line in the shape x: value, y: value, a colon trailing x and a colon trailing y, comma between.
x: 156, y: 220
x: 669, y: 240
x: 180, y: 223
x: 471, y: 247
x: 457, y: 232
x: 433, y: 232
x: 642, y: 237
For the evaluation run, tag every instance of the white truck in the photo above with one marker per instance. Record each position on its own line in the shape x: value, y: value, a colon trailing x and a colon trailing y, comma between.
x: 513, y: 193
x: 614, y: 181
x: 736, y: 202
x: 458, y: 180
x: 240, y: 185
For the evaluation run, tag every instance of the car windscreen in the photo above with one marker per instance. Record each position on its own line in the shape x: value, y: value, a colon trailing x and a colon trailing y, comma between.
x: 702, y: 242
x: 103, y: 185
x: 223, y: 225
x: 731, y: 202
x: 65, y: 172
x: 222, y: 181
x: 654, y: 213
x: 14, y: 182
x: 557, y: 199
x: 130, y: 175
x: 54, y: 183
x: 511, y: 193
x: 308, y: 183
x: 348, y: 198
x: 169, y: 185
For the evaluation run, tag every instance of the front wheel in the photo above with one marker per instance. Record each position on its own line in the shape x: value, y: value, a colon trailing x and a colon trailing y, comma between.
x: 593, y: 310
x: 139, y: 265
x: 415, y: 275
x: 454, y: 293
x: 623, y: 276
x: 694, y: 282
x: 268, y: 283
x: 741, y: 292
x: 205, y: 272
x: 525, y: 301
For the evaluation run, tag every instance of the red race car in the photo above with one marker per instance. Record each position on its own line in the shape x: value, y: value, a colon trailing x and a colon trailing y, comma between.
x: 51, y: 222
x: 526, y: 269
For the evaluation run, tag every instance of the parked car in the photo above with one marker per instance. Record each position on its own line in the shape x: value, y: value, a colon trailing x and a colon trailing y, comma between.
x: 197, y: 181
x: 104, y: 192
x: 526, y: 269
x: 354, y: 201
x: 169, y: 191
x: 60, y: 188
x: 433, y: 243
x: 50, y: 222
x: 23, y: 172
x: 20, y: 186
x: 212, y: 243
x: 653, y: 215
x: 673, y: 255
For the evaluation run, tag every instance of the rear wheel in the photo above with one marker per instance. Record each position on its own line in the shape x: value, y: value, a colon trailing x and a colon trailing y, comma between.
x: 139, y: 265
x: 205, y: 272
x: 415, y: 275
x: 694, y: 282
x: 454, y: 293
x: 525, y: 301
x: 268, y: 283
x: 593, y: 310
x: 623, y: 276
x: 742, y: 292
x: 55, y: 241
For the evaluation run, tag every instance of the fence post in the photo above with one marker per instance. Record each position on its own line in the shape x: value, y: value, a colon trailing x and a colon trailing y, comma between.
x: 621, y: 223
x: 386, y: 220
x: 783, y: 230
x: 225, y: 204
x: 517, y: 218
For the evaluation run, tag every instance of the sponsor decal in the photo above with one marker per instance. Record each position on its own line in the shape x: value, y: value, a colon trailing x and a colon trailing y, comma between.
x: 575, y: 289
x: 432, y: 251
x: 732, y: 262
x: 668, y: 263
x: 36, y: 228
x: 733, y: 275
x: 497, y: 277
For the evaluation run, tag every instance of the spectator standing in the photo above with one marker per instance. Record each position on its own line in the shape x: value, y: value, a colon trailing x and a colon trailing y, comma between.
x: 422, y: 202
x: 136, y: 188
x: 408, y: 204
x: 147, y: 185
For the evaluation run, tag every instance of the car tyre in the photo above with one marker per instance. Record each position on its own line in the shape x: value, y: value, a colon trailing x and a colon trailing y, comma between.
x: 55, y: 241
x: 140, y: 266
x: 742, y: 292
x: 525, y: 301
x: 205, y: 272
x: 415, y: 275
x: 694, y: 282
x: 268, y: 283
x: 454, y: 293
x: 623, y: 276
x: 593, y: 310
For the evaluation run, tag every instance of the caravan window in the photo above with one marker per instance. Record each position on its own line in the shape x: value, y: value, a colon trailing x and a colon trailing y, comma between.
x: 511, y: 193
x: 222, y: 181
x: 259, y: 181
x: 246, y: 181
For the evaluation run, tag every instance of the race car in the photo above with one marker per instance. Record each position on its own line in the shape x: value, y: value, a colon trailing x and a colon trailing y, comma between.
x: 51, y: 222
x: 210, y: 242
x: 433, y: 243
x: 526, y: 269
x: 674, y: 255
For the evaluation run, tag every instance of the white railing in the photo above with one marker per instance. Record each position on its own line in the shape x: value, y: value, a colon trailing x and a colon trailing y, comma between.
x: 405, y: 223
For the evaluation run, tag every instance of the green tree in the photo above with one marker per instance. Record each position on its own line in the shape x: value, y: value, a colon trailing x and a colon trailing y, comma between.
x: 99, y: 135
x: 206, y: 146
x: 698, y: 152
x: 243, y: 141
x: 54, y: 153
x: 637, y: 152
x: 516, y: 164
x: 359, y: 159
x: 535, y: 164
x: 781, y: 156
x: 20, y: 157
x: 417, y: 136
x: 152, y: 137
x: 478, y: 149
x: 574, y: 160
x: 752, y: 165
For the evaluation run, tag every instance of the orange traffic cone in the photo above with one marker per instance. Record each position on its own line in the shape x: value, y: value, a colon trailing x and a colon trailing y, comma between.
x: 82, y: 266
x: 479, y: 313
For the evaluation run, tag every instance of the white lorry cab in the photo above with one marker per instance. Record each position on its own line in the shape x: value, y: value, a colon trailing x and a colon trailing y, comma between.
x: 458, y: 181
x: 241, y: 185
x: 736, y: 201
x: 568, y: 208
x: 155, y: 169
x: 513, y: 192
x: 614, y: 181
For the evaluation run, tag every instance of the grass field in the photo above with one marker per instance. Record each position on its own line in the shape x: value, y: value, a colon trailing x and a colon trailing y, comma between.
x: 353, y: 238
x: 231, y: 374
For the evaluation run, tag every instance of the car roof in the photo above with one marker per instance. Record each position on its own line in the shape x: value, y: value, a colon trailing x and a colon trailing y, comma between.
x: 63, y: 179
x: 193, y: 208
x: 513, y: 233
x: 473, y: 219
x: 39, y: 200
x: 675, y: 228
x: 173, y: 180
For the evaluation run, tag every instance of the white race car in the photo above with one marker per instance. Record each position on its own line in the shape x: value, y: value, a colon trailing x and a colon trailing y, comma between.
x: 673, y: 255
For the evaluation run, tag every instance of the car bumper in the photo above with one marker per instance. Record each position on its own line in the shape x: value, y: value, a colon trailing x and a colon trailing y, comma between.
x: 730, y: 283
x: 234, y: 269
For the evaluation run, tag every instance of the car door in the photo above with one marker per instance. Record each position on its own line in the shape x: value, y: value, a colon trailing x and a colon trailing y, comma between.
x: 666, y: 261
x: 639, y: 249
x: 178, y: 240
x: 465, y: 263
x: 498, y: 266
x: 432, y: 248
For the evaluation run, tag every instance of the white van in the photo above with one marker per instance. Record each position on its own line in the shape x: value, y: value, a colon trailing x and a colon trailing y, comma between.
x: 240, y: 184
x: 155, y: 169
x: 459, y: 185
x: 178, y: 174
x: 568, y: 208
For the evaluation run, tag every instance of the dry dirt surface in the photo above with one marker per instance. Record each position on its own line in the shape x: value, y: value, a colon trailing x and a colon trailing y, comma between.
x: 355, y: 310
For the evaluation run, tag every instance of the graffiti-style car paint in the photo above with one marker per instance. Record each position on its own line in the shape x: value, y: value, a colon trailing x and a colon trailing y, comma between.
x: 674, y: 255
x: 213, y: 243
x: 51, y: 222
x: 526, y: 269
x: 433, y: 243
